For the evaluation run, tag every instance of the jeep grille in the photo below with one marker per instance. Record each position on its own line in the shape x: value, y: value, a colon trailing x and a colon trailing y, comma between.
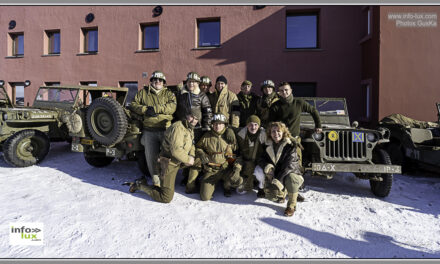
x: 344, y: 148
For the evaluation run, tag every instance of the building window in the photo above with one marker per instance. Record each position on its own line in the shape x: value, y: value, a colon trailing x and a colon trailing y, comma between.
x: 150, y: 36
x: 366, y: 90
x: 90, y: 36
x: 51, y: 84
x: 17, y: 44
x: 53, y: 42
x: 208, y: 32
x: 303, y: 89
x: 86, y: 96
x: 302, y: 31
x: 18, y: 93
x: 132, y: 90
x: 366, y: 22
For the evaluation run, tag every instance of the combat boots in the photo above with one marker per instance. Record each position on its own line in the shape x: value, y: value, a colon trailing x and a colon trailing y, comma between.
x: 291, y: 204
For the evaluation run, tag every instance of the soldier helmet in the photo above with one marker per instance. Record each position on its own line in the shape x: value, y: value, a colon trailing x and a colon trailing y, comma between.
x: 205, y: 80
x: 194, y: 112
x: 158, y: 75
x: 219, y: 118
x: 246, y: 82
x: 193, y: 76
x: 267, y: 83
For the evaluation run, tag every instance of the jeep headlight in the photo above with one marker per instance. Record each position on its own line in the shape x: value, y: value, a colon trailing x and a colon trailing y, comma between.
x: 372, y: 137
x: 5, y: 116
x: 318, y: 136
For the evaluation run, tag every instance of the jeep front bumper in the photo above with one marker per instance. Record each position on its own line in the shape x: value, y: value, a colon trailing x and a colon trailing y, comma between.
x: 355, y: 168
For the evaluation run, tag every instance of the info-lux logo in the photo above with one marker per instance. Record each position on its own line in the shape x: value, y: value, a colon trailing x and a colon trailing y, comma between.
x: 26, y: 234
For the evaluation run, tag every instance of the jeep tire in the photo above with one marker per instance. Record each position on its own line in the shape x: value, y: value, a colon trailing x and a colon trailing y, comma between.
x: 26, y: 148
x: 382, y: 188
x: 97, y: 159
x: 106, y: 121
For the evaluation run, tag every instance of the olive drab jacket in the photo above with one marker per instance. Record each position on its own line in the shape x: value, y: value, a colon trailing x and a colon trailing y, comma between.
x: 263, y: 105
x: 214, y: 146
x: 178, y: 142
x: 289, y: 112
x: 187, y: 100
x: 163, y: 102
x: 250, y: 150
x: 248, y: 106
x: 226, y: 102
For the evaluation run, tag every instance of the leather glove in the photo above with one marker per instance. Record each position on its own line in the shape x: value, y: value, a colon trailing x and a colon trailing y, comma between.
x: 150, y: 111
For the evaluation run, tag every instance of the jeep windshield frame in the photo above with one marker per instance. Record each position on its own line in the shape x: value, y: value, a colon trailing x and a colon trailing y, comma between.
x: 74, y: 93
x: 4, y: 98
x: 332, y: 111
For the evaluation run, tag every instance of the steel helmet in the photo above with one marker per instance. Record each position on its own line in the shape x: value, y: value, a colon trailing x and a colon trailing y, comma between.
x: 193, y: 76
x: 205, y: 80
x: 219, y: 118
x: 267, y: 83
x: 158, y: 75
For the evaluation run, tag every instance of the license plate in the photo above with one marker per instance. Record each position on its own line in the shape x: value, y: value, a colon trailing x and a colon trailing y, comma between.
x: 110, y: 152
x: 358, y: 137
x: 87, y: 141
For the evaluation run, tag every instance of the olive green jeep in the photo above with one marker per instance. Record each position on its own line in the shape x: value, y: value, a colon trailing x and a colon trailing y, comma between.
x: 342, y: 147
x: 414, y: 144
x: 108, y: 129
x: 26, y: 132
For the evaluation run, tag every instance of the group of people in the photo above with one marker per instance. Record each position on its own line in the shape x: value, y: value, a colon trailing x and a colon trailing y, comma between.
x: 242, y: 140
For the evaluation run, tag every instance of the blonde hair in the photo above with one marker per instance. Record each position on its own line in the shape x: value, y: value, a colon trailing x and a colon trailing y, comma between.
x: 283, y: 128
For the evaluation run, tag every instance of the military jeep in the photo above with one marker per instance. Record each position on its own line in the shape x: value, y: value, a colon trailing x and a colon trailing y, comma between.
x: 26, y: 132
x: 414, y: 144
x: 342, y: 147
x: 108, y: 129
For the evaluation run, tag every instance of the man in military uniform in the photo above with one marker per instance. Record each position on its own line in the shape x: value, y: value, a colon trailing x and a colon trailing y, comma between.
x: 157, y: 105
x: 265, y: 102
x: 225, y: 102
x: 248, y: 102
x: 191, y: 97
x: 177, y: 149
x: 214, y: 151
x: 205, y: 84
x: 251, y: 140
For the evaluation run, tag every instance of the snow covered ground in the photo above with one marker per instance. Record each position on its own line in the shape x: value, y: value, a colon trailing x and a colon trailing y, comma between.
x: 87, y: 213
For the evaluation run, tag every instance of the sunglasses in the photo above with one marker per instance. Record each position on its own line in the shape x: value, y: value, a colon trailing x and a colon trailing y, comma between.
x: 157, y: 80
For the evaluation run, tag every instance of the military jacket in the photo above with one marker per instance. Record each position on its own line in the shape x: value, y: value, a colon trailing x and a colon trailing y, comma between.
x: 263, y: 105
x: 214, y: 146
x: 290, y: 114
x: 199, y: 101
x: 226, y: 102
x: 248, y: 106
x: 246, y: 147
x: 178, y: 142
x: 163, y: 102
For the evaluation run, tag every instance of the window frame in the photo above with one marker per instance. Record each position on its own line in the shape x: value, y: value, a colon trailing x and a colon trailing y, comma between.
x: 204, y: 20
x: 13, y: 86
x: 86, y: 38
x: 292, y: 13
x: 49, y: 36
x: 368, y: 31
x: 142, y: 36
x: 367, y: 91
x: 14, y: 43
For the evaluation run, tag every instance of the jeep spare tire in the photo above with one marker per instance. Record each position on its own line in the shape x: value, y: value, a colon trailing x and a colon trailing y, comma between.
x: 106, y: 121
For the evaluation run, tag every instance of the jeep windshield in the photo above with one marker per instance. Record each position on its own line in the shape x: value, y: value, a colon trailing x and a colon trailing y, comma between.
x: 59, y: 95
x: 332, y: 112
x: 328, y: 107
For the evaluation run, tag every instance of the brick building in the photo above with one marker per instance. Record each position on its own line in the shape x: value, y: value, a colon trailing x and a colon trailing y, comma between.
x: 356, y: 52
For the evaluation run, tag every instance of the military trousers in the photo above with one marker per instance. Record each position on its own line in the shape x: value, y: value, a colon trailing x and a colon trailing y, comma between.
x: 247, y: 172
x: 165, y: 192
x: 291, y: 184
x: 210, y: 178
x: 152, y: 141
